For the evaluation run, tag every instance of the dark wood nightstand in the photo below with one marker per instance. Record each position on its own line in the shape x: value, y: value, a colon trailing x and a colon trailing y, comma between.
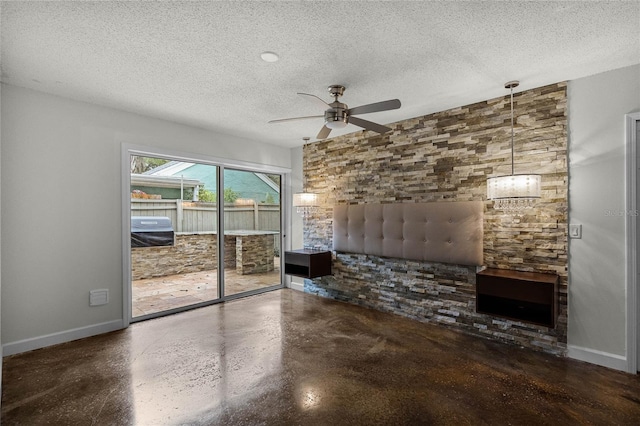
x: 307, y: 263
x: 522, y: 296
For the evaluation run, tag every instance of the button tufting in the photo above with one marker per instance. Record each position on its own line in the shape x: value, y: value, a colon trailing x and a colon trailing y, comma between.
x: 408, y: 234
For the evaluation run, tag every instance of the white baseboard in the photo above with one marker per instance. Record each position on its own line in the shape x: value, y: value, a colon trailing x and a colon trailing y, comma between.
x: 33, y: 343
x: 297, y: 286
x: 605, y: 359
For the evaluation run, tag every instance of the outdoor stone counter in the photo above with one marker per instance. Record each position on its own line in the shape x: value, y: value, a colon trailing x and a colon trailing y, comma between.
x: 191, y: 253
x: 254, y: 251
x: 246, y: 251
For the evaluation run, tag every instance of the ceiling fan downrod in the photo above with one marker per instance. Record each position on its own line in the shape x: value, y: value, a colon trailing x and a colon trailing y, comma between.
x: 336, y: 91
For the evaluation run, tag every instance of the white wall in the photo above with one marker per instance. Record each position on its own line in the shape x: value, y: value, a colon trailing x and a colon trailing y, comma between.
x: 1, y: 353
x: 597, y: 304
x: 61, y: 208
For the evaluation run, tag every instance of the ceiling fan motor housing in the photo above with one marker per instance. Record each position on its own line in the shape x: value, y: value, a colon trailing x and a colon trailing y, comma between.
x: 337, y: 117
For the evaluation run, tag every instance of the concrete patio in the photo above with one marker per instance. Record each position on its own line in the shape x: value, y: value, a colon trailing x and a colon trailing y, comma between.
x: 175, y: 291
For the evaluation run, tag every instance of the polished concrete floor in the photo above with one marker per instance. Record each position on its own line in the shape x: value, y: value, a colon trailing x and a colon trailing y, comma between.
x: 287, y: 358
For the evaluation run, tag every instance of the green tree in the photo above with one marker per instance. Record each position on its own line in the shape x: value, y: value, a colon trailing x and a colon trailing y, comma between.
x: 142, y: 164
x: 206, y: 196
x: 274, y: 178
x: 268, y: 199
x: 230, y: 195
x: 211, y: 197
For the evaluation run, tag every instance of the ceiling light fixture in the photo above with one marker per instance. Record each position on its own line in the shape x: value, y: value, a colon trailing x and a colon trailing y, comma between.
x: 513, y: 192
x: 269, y: 56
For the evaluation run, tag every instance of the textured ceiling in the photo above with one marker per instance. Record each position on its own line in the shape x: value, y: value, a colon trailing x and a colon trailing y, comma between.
x: 199, y: 63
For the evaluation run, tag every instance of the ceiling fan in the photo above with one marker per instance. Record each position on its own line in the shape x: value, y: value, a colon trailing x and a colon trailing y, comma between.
x: 337, y: 115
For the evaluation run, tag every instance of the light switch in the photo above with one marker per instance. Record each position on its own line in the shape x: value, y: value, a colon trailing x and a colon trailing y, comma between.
x: 575, y: 231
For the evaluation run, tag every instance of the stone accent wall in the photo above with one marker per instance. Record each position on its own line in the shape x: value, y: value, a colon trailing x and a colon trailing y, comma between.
x: 447, y: 156
x: 191, y: 253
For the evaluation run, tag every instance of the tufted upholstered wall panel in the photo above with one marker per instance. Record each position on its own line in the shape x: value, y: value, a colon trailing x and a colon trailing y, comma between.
x: 445, y: 232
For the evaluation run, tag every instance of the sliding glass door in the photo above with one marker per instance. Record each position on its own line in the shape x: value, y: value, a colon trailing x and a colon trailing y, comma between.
x: 178, y: 259
x: 251, y: 231
x: 173, y: 235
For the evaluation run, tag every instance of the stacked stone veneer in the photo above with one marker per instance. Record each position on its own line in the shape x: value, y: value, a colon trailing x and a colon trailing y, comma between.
x: 251, y: 254
x: 447, y: 156
x: 191, y: 253
x: 254, y: 254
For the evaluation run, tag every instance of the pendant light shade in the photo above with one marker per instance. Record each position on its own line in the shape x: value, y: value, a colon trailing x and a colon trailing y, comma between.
x: 513, y: 192
x: 305, y: 202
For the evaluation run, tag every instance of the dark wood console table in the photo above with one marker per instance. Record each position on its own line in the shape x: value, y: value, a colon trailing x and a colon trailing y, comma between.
x: 522, y: 296
x: 307, y: 263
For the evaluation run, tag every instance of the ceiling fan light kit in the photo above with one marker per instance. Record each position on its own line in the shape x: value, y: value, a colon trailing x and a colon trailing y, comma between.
x: 513, y: 193
x: 337, y: 114
x: 336, y: 119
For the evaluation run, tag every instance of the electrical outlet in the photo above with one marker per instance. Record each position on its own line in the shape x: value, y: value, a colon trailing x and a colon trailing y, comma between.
x: 575, y: 231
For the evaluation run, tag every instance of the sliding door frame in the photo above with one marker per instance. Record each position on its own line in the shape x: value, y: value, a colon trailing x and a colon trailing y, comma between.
x: 127, y: 150
x: 632, y: 295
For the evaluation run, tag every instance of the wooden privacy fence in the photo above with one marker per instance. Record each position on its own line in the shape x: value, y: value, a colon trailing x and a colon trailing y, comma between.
x: 195, y: 217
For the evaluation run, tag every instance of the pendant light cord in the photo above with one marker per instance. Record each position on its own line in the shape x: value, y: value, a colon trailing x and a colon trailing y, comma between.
x: 512, y: 162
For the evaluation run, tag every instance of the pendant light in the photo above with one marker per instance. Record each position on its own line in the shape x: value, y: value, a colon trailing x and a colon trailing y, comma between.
x: 513, y: 192
x: 306, y: 203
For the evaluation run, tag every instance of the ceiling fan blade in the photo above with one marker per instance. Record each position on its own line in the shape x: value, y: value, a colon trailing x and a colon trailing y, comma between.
x: 369, y: 125
x: 324, y: 132
x: 316, y: 100
x: 375, y: 107
x: 295, y: 118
